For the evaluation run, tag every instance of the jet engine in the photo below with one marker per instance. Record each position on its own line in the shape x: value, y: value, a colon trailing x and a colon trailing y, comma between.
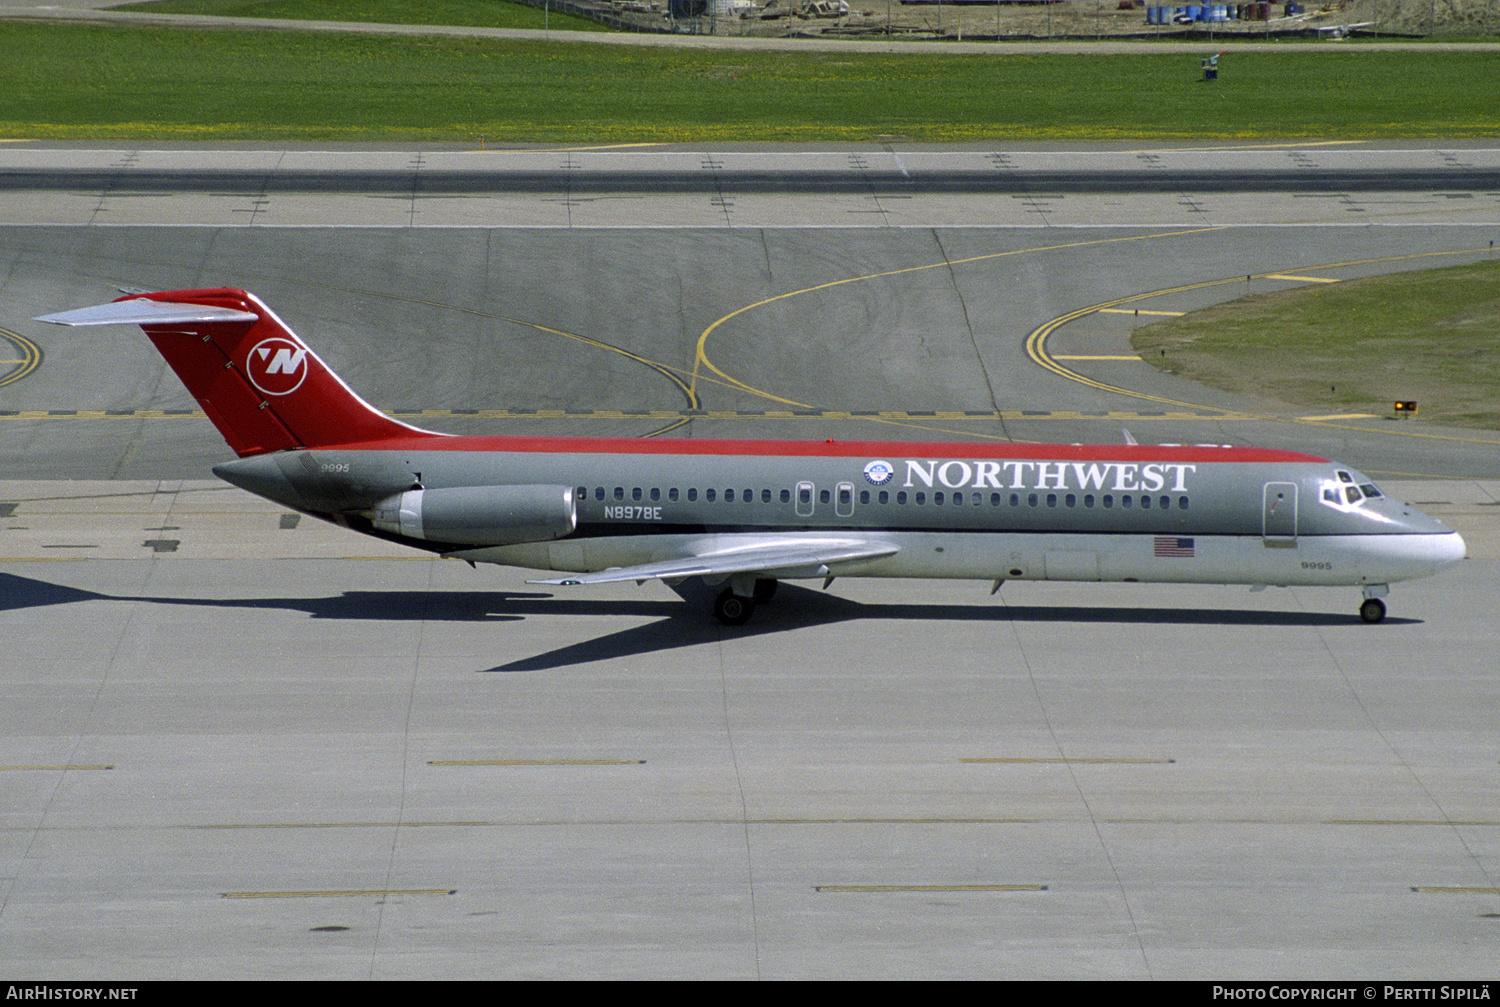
x: 479, y: 515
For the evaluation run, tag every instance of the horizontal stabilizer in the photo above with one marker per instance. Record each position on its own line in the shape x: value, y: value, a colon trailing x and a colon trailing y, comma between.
x: 140, y: 311
x: 260, y: 385
x: 781, y: 559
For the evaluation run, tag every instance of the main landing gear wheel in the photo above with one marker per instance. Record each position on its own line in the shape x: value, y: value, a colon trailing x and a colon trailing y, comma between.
x: 732, y: 610
x: 1373, y: 610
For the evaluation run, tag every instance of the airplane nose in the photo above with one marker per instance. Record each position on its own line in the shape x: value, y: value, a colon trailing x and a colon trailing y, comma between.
x: 1448, y: 549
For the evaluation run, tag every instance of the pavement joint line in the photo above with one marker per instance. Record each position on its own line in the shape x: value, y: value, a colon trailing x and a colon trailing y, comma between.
x: 930, y: 888
x: 353, y: 893
x: 53, y: 768
x: 1069, y: 762
x: 537, y: 762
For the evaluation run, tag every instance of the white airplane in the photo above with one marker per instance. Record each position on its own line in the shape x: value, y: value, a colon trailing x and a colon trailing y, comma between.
x: 745, y: 514
x: 1341, y: 31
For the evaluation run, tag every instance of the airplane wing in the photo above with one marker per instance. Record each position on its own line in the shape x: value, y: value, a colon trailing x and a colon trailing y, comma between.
x: 778, y: 559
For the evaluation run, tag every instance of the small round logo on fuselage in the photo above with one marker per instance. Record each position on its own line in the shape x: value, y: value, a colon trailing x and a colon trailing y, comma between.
x: 878, y: 473
x: 277, y: 366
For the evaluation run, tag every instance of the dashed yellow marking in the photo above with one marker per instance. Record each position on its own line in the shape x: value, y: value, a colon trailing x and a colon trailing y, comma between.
x: 1298, y: 279
x: 1097, y: 356
x: 660, y: 414
x: 1338, y: 416
x: 1455, y: 889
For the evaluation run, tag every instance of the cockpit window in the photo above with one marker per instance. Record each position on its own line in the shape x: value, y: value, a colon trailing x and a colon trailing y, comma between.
x: 1371, y: 491
x: 1345, y: 477
x: 1351, y: 493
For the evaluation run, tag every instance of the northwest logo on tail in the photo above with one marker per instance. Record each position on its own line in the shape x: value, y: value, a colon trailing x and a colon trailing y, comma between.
x: 277, y: 366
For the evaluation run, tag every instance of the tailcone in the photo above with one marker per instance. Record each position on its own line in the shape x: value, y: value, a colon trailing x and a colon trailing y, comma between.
x: 261, y: 475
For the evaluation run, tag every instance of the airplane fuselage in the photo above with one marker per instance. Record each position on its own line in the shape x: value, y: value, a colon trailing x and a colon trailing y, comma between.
x: 1148, y: 513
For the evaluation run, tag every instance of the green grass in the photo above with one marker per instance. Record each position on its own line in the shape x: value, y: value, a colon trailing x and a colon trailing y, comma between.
x: 88, y: 82
x: 468, y: 13
x: 1359, y: 345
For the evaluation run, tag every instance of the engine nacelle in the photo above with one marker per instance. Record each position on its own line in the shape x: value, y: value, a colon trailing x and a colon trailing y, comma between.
x: 480, y: 515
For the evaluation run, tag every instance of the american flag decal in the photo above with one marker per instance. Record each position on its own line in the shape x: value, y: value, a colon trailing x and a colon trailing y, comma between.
x: 1170, y: 546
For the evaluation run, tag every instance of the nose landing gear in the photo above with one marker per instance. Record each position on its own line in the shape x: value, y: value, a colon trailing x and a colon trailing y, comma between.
x: 1372, y: 610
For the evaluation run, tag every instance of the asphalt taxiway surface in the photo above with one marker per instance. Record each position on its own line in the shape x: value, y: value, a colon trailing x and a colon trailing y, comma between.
x: 238, y: 743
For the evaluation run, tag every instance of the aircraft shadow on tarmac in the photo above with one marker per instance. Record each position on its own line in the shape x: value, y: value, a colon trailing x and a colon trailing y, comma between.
x: 678, y: 624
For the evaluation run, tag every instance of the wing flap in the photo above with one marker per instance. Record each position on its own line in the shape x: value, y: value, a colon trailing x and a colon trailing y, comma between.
x: 777, y: 560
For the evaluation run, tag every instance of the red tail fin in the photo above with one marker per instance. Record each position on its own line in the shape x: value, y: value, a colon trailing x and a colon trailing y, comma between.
x: 259, y: 384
